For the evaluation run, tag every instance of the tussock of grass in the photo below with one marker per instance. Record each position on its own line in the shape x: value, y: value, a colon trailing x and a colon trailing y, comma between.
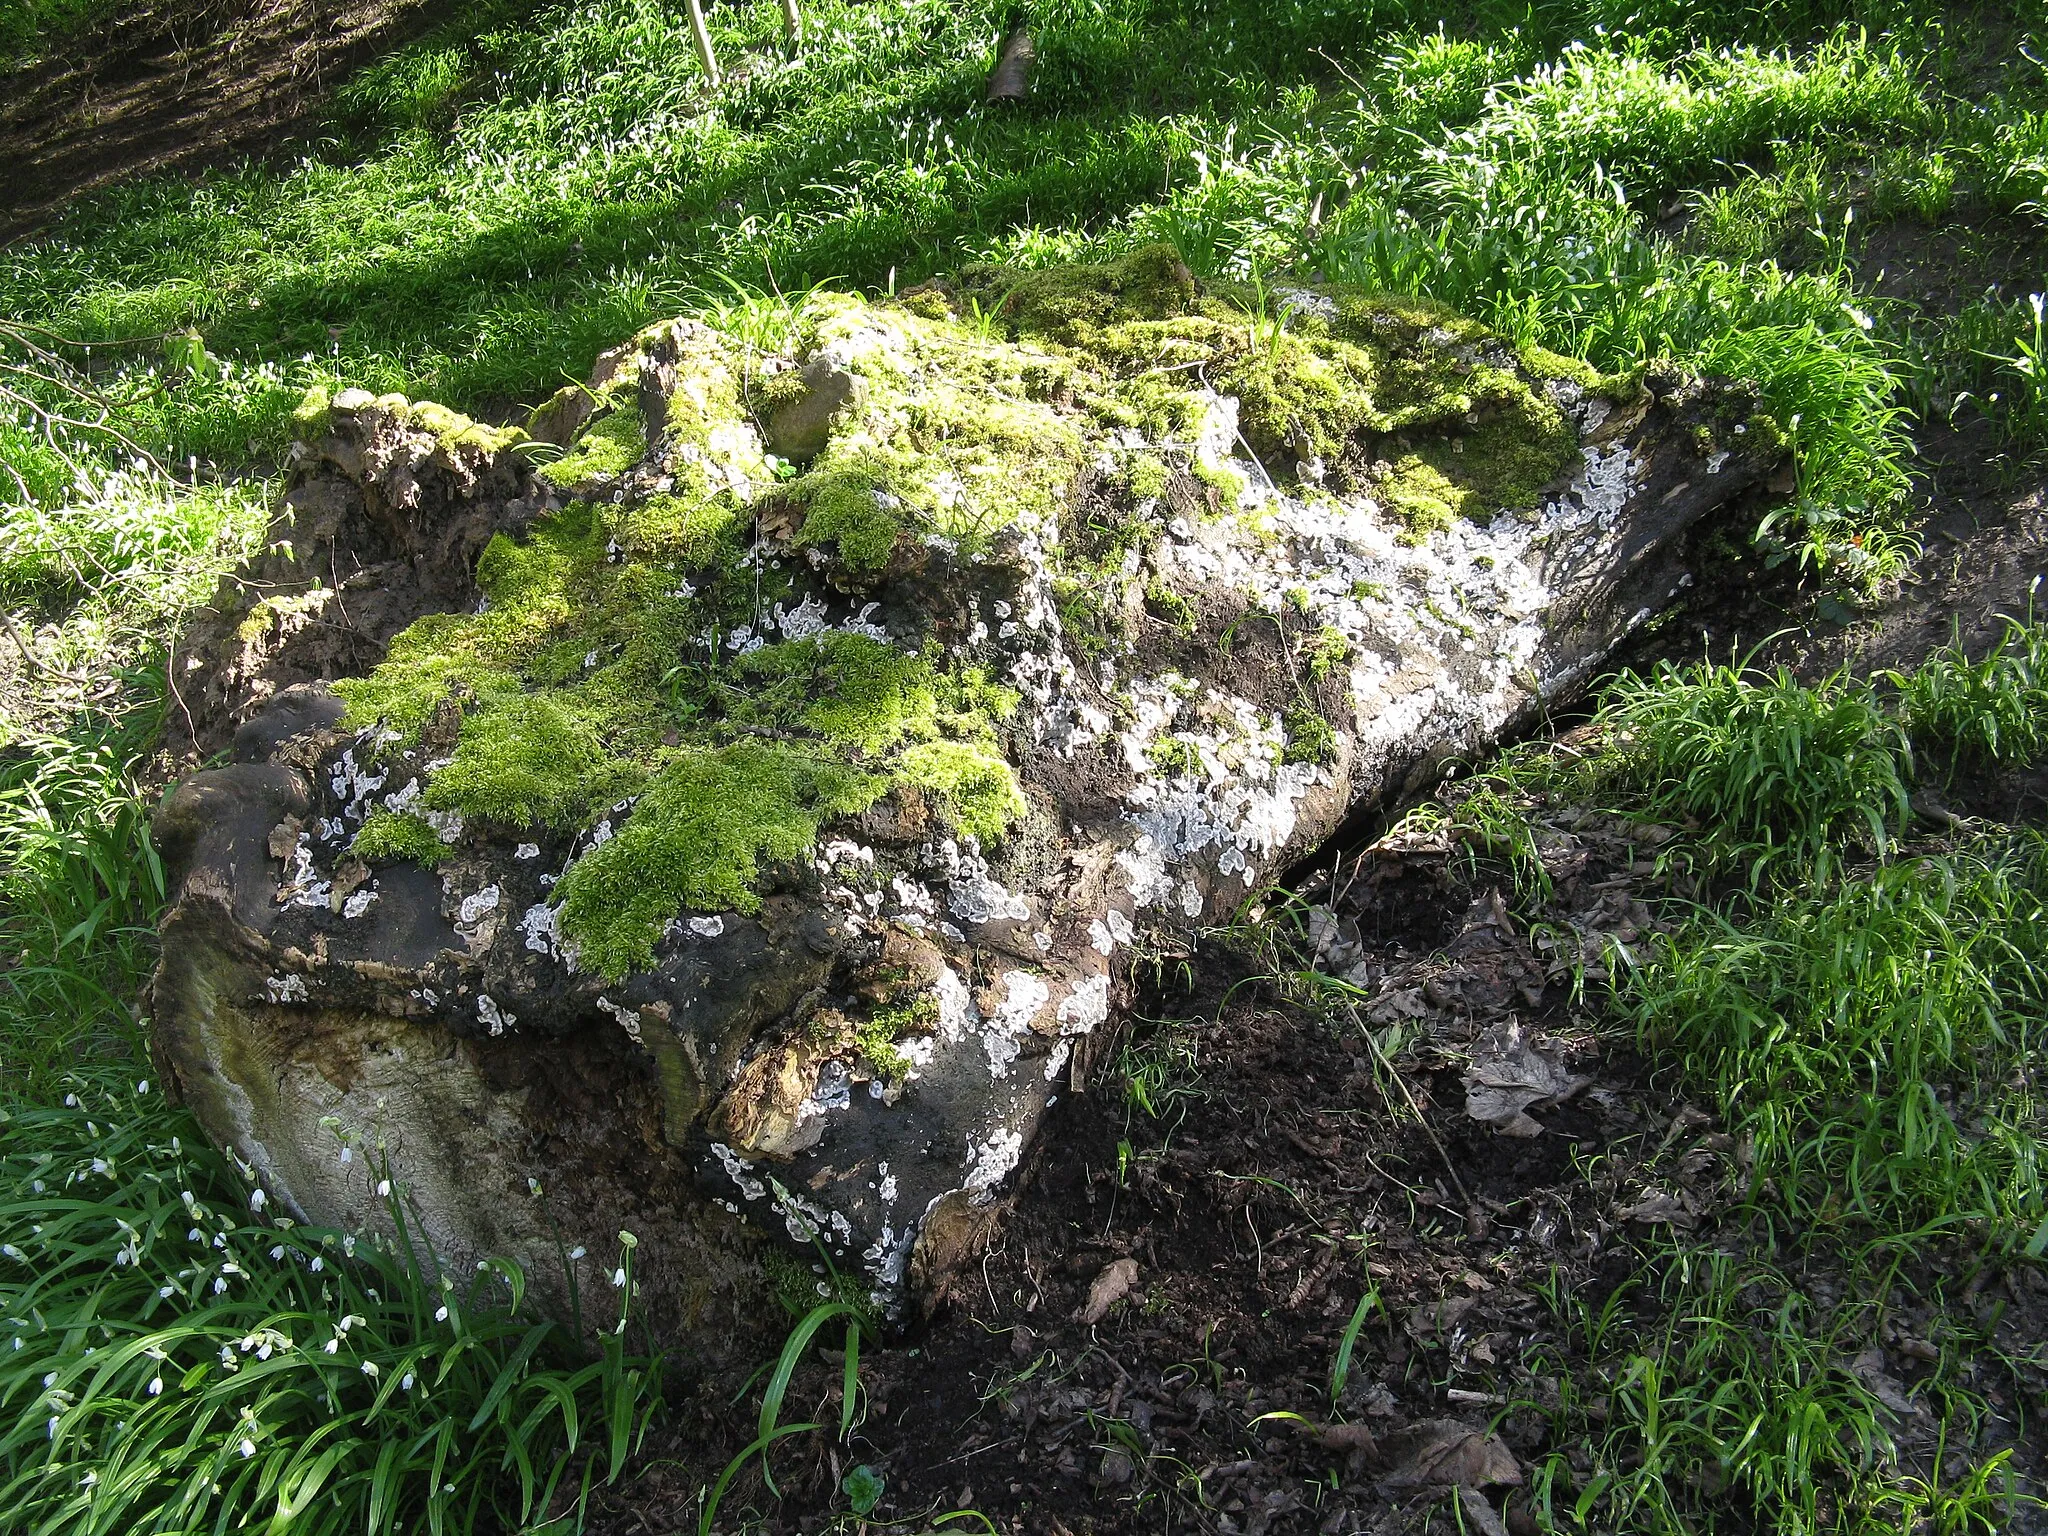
x: 1994, y: 709
x: 1767, y: 768
x: 1871, y: 1040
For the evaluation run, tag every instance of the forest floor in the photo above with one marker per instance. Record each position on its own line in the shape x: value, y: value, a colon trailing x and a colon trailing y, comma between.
x: 178, y: 87
x: 1268, y: 1271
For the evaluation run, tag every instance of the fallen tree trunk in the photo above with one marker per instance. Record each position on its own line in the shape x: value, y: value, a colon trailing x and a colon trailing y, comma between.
x: 737, y: 828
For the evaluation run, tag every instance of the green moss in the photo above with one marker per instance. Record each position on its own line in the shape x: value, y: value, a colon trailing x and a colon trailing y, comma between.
x: 386, y: 837
x: 975, y: 788
x: 691, y: 530
x: 310, y: 418
x: 1226, y: 482
x: 1172, y: 756
x: 455, y: 430
x: 697, y: 838
x: 1147, y: 477
x: 850, y: 506
x: 875, y: 1037
x: 1169, y: 607
x: 1522, y: 445
x: 1070, y: 303
x: 1309, y: 737
x: 1325, y: 651
x: 609, y: 446
x: 529, y: 759
x: 1419, y: 497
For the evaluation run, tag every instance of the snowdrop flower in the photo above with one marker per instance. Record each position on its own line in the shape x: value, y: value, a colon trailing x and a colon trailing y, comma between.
x: 14, y: 1253
x: 369, y: 1368
x: 156, y: 1386
x: 143, y: 1086
x: 318, y: 1264
x: 348, y: 1155
x: 277, y: 1252
x: 333, y: 1345
x: 383, y: 1188
x: 618, y: 1278
x: 257, y: 1198
x: 576, y: 1252
x: 164, y: 1290
x: 248, y: 1447
x: 405, y: 1382
x: 441, y: 1315
x: 219, y: 1284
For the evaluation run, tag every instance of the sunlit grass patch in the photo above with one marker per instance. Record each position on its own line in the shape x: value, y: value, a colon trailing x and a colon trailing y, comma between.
x: 175, y: 1355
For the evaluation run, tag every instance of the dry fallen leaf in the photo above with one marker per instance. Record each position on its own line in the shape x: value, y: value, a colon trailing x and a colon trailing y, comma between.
x: 1348, y: 1437
x: 1656, y: 1207
x: 1109, y: 1288
x: 1433, y: 1317
x: 1442, y: 1453
x: 1512, y: 1072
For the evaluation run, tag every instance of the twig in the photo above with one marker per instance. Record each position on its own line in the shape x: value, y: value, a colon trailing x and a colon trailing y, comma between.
x: 1401, y: 1083
x: 28, y: 655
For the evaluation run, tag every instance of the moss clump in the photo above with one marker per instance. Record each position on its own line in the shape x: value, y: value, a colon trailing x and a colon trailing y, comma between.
x: 954, y: 440
x: 1146, y: 477
x: 386, y: 837
x: 849, y: 506
x: 875, y: 1037
x: 1309, y: 736
x: 698, y: 837
x: 976, y: 790
x: 1072, y: 304
x: 1175, y: 757
x: 1420, y: 497
x: 1325, y: 651
x: 530, y: 759
x: 1169, y: 607
x: 311, y: 416
x: 609, y: 446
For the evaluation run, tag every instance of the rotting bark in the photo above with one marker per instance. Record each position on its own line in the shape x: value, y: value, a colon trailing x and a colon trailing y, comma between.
x: 746, y: 853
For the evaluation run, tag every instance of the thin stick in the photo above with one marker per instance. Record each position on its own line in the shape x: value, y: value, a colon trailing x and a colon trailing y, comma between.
x: 1402, y: 1083
x: 702, y: 34
x: 29, y: 656
x: 792, y: 24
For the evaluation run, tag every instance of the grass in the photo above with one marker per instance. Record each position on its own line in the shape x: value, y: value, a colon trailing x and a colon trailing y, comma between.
x: 1666, y: 181
x: 508, y: 199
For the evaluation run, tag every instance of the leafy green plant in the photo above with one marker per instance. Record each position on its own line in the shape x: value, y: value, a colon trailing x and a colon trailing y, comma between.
x: 176, y: 1360
x: 1771, y: 769
x: 769, y: 1429
x: 1994, y: 709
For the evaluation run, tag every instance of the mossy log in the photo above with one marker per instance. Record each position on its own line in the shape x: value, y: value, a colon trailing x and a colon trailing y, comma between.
x: 731, y: 810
